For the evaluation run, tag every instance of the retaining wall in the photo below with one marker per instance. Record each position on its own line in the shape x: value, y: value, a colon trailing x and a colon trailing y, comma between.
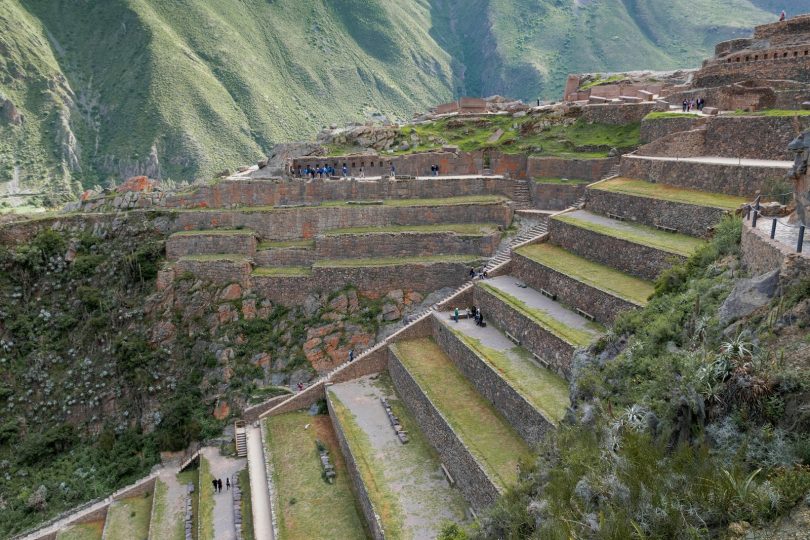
x: 406, y: 244
x: 628, y: 257
x: 469, y: 475
x: 760, y: 254
x: 743, y: 181
x: 619, y: 114
x: 285, y: 257
x: 369, y: 512
x: 604, y: 306
x: 585, y: 169
x: 181, y: 245
x: 218, y: 272
x: 688, y: 219
x: 555, y: 351
x: 530, y: 423
x: 660, y: 127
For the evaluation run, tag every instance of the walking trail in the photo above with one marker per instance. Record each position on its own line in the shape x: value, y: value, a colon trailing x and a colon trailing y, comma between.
x: 260, y: 499
x: 712, y: 160
x: 223, y: 467
x: 168, y: 522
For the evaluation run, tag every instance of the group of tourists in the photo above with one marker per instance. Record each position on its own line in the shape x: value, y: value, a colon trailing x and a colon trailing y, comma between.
x: 434, y: 170
x: 690, y: 105
x: 472, y: 313
x: 482, y: 274
x: 217, y: 483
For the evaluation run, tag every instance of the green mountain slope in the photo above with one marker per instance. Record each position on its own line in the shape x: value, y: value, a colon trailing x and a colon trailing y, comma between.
x: 182, y: 89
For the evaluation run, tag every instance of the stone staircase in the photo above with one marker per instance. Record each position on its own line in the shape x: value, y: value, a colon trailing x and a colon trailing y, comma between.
x: 240, y: 438
x: 521, y: 194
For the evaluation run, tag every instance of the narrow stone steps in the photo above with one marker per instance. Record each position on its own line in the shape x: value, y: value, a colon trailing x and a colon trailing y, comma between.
x: 548, y: 329
x: 631, y: 248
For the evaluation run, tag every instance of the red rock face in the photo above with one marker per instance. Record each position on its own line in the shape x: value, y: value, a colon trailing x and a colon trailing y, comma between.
x: 222, y: 410
x: 136, y: 183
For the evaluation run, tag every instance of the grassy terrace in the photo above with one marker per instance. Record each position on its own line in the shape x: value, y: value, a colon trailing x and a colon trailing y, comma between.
x: 282, y: 271
x: 193, y: 476
x: 544, y: 389
x: 771, y: 112
x: 561, y: 181
x: 165, y: 525
x: 246, y: 505
x: 83, y: 531
x: 224, y: 257
x: 676, y: 243
x: 597, y: 275
x: 395, y: 261
x: 493, y: 442
x: 575, y: 336
x: 469, y: 229
x: 288, y: 244
x: 129, y: 518
x: 216, y: 232
x: 310, y: 506
x: 641, y: 188
x: 661, y: 115
x: 205, y: 509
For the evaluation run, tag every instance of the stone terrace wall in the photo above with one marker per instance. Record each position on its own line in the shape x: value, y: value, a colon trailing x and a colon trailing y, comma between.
x: 628, y: 257
x: 584, y: 169
x: 795, y: 68
x: 556, y: 352
x: 619, y: 114
x: 369, y: 512
x: 469, y: 475
x: 306, y: 222
x: 528, y: 421
x: 200, y: 244
x: 683, y: 144
x: 760, y: 254
x: 289, y: 191
x: 602, y: 305
x: 404, y: 245
x: 218, y: 272
x: 372, y: 281
x: 285, y: 257
x: 660, y: 127
x: 556, y: 196
x: 755, y: 137
x: 685, y: 218
x: 742, y: 181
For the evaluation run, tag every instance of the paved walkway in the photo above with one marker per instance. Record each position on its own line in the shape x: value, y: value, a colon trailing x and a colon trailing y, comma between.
x: 223, y: 467
x: 786, y: 233
x: 711, y: 160
x: 259, y: 497
x: 533, y: 299
x: 174, y: 507
x: 408, y: 471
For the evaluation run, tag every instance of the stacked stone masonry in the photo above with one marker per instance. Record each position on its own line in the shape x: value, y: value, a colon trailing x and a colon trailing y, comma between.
x: 628, y: 257
x: 469, y: 475
x: 555, y: 352
x: 604, y: 306
x: 527, y: 421
x: 182, y: 245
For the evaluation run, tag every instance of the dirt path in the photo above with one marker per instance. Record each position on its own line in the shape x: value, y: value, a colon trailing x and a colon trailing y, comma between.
x: 223, y: 467
x: 260, y: 498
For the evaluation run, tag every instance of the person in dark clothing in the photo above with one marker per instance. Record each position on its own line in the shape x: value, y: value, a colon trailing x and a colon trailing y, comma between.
x: 685, y: 104
x: 393, y: 170
x: 782, y: 16
x: 351, y: 355
x: 227, y: 484
x: 214, y: 483
x: 345, y: 171
x: 472, y: 273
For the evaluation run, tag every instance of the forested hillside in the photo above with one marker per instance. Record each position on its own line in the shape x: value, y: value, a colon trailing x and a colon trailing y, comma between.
x: 95, y: 91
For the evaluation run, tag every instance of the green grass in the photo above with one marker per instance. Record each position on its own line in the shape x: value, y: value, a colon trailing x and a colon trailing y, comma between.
x: 394, y: 261
x: 575, y: 336
x: 598, y: 275
x: 676, y: 243
x: 444, y: 201
x: 282, y: 271
x: 129, y: 518
x: 599, y: 81
x: 561, y: 181
x: 192, y: 476
x: 664, y: 115
x: 490, y: 438
x: 318, y: 506
x: 246, y: 505
x: 544, y: 389
x: 640, y: 188
x: 84, y: 531
x: 170, y: 527
x: 469, y: 229
x: 216, y: 232
x: 205, y: 514
x: 288, y: 244
x: 771, y: 112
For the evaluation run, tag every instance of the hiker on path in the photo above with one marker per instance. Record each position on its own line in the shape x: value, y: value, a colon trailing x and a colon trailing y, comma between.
x: 362, y: 173
x: 227, y: 484
x: 214, y: 483
x: 782, y: 16
x: 345, y: 171
x: 455, y: 314
x: 351, y: 355
x: 393, y: 170
x: 472, y: 273
x: 685, y: 105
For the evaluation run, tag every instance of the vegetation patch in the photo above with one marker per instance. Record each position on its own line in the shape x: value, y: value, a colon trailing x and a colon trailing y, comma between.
x: 205, y: 515
x: 561, y: 181
x: 129, y: 518
x: 665, y: 115
x: 771, y: 112
x: 282, y: 271
x: 83, y: 531
x: 468, y: 229
x: 676, y: 243
x: 490, y: 438
x: 216, y: 232
x: 575, y: 336
x: 544, y: 389
x: 246, y: 505
x: 597, y: 275
x: 288, y: 244
x: 640, y: 188
x: 216, y: 257
x: 192, y: 476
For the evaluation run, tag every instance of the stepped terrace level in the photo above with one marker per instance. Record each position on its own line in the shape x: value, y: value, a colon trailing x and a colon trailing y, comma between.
x: 476, y: 443
x: 401, y: 486
x: 304, y: 503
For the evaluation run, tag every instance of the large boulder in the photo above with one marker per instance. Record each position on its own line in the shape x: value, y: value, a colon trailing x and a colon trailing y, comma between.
x: 747, y: 296
x: 282, y: 155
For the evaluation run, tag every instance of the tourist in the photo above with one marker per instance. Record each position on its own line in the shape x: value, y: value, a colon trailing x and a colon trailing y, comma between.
x: 214, y: 483
x: 437, y: 170
x: 393, y: 171
x: 351, y: 355
x: 362, y: 174
x: 227, y: 484
x: 472, y: 273
x: 300, y: 387
x: 345, y: 171
x: 782, y: 16
x: 685, y: 105
x: 485, y: 275
x: 455, y: 314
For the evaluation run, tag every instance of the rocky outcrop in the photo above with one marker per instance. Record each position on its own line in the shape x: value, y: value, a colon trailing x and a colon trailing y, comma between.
x: 282, y: 155
x: 364, y: 136
x: 9, y: 113
x: 748, y: 296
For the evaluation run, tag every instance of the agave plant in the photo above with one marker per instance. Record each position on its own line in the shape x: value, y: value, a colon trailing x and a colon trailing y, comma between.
x: 737, y: 349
